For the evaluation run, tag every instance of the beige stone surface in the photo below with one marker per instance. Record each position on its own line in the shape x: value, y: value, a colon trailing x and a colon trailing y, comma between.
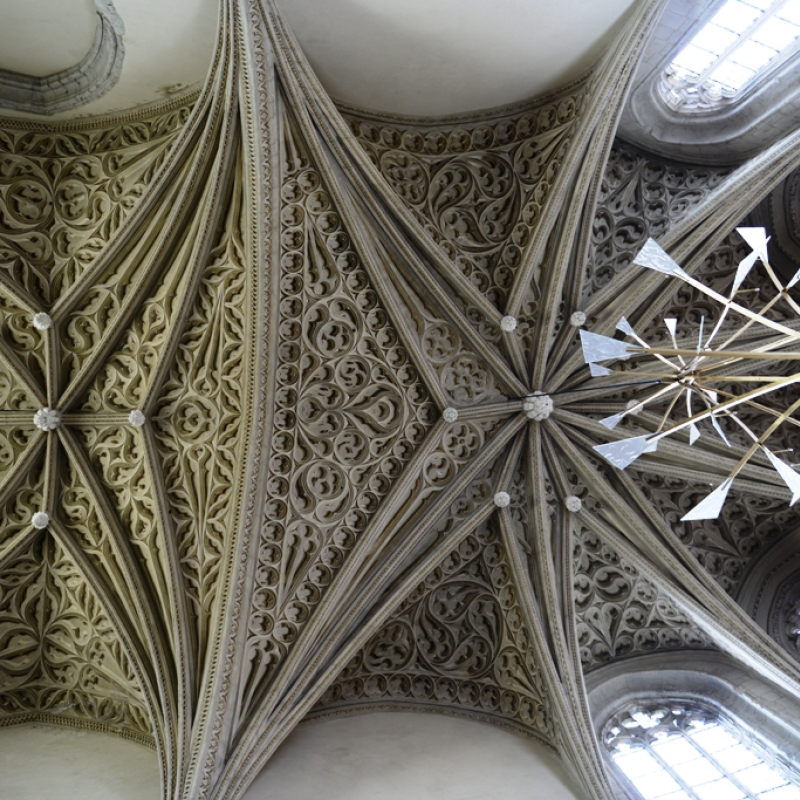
x: 42, y: 762
x: 399, y: 755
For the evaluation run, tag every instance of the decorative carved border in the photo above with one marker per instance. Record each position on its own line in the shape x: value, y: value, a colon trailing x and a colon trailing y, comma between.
x: 91, y: 123
x: 422, y: 708
x: 79, y: 724
x: 484, y: 115
x: 77, y: 85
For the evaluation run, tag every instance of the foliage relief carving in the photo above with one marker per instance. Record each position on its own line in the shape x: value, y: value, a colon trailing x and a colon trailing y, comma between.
x: 620, y: 613
x: 458, y: 640
x: 477, y: 188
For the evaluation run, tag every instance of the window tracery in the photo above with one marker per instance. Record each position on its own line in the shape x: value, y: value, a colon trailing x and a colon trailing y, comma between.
x: 685, y: 750
x: 726, y: 56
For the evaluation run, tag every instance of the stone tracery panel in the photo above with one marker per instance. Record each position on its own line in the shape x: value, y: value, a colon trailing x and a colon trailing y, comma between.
x: 63, y: 195
x: 477, y: 187
x: 199, y: 418
x: 748, y: 524
x: 60, y: 654
x: 458, y: 641
x: 641, y: 196
x: 350, y: 412
x: 619, y: 613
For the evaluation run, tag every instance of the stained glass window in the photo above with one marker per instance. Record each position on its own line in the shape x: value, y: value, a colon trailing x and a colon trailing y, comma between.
x: 738, y: 44
x: 685, y: 751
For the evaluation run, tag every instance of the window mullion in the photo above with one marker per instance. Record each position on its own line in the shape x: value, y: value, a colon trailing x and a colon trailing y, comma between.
x: 724, y: 772
x: 668, y: 767
x: 744, y: 36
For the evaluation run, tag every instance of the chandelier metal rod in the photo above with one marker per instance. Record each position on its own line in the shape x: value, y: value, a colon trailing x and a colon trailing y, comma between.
x: 754, y: 315
x: 731, y: 354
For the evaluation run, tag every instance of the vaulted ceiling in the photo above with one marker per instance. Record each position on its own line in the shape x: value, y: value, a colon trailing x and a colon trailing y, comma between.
x: 292, y: 295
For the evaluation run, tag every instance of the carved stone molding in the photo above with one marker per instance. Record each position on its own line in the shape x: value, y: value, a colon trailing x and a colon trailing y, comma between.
x: 75, y: 86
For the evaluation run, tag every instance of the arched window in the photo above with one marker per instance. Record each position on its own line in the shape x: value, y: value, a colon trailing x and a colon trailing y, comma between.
x: 730, y: 52
x: 684, y: 750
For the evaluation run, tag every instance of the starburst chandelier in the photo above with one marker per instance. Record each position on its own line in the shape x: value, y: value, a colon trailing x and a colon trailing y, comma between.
x: 704, y: 376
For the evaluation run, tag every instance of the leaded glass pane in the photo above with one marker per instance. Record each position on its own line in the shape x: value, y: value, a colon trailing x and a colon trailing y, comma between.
x: 689, y: 752
x: 726, y: 55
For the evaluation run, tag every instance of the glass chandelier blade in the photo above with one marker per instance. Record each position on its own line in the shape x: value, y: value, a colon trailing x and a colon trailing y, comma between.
x: 718, y: 429
x: 653, y: 256
x: 597, y: 371
x: 625, y: 326
x: 623, y: 453
x: 791, y: 478
x: 602, y: 348
x: 745, y: 265
x: 710, y: 507
x: 757, y: 239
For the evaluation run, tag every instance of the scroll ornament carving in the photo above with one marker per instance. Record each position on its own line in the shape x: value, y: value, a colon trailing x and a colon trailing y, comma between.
x: 17, y: 512
x: 79, y: 513
x: 118, y: 456
x: 457, y: 641
x: 200, y: 424
x: 479, y: 493
x: 350, y: 413
x: 463, y: 376
x: 748, y: 524
x: 125, y: 377
x: 791, y: 621
x: 620, y: 613
x: 477, y: 188
x: 19, y: 332
x: 63, y: 195
x: 65, y: 659
x: 640, y: 197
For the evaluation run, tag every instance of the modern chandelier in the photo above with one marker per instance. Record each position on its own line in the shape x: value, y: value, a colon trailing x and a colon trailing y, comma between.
x: 701, y: 377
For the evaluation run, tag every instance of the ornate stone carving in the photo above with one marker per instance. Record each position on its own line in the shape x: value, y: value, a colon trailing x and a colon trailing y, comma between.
x: 200, y: 419
x: 463, y: 376
x: 641, y: 197
x: 22, y: 337
x: 457, y: 641
x: 17, y: 512
x: 59, y: 654
x: 791, y: 621
x: 478, y: 188
x: 620, y: 613
x: 63, y: 195
x: 350, y: 412
x: 117, y: 454
x: 349, y: 357
x: 748, y: 524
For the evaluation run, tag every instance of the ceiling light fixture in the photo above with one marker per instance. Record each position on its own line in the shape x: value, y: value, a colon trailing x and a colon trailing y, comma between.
x: 706, y: 374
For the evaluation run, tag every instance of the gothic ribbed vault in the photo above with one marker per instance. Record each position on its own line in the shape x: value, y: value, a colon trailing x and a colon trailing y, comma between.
x: 291, y: 293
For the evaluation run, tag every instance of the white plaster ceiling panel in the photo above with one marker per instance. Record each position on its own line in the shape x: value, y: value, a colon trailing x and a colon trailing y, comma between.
x: 65, y: 30
x: 438, y: 57
x: 168, y: 46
